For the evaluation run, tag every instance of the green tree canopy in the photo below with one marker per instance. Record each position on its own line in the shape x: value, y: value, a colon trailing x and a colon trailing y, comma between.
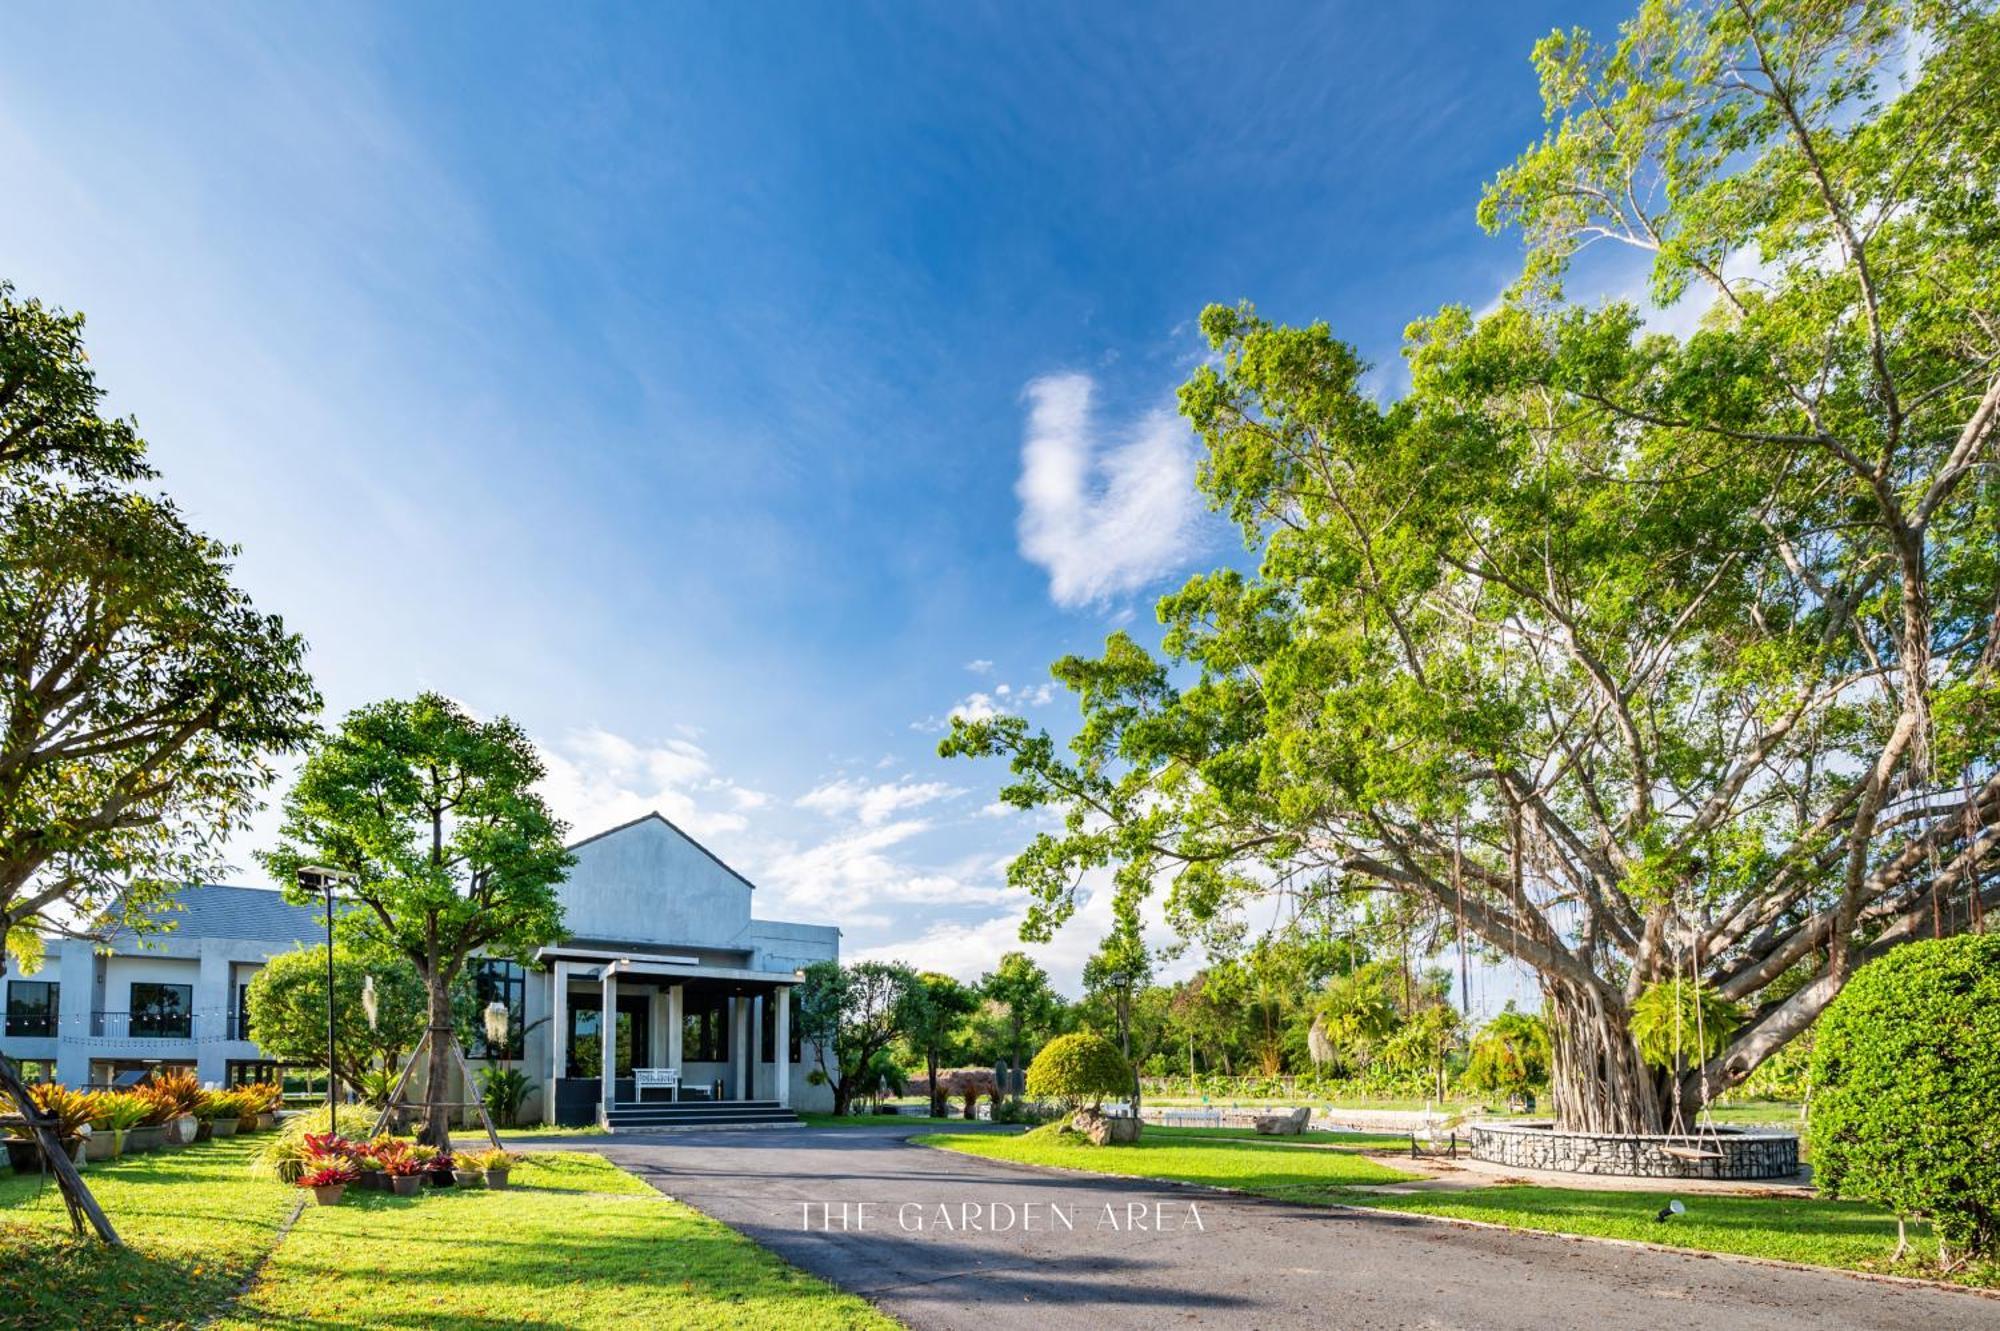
x: 1077, y: 1070
x: 1628, y: 655
x: 851, y: 1015
x: 1028, y: 1007
x: 431, y: 815
x: 1509, y: 1054
x: 935, y: 1009
x: 287, y: 1008
x: 144, y: 695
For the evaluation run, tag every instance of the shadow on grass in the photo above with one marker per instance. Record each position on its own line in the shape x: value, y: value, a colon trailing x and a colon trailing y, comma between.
x: 591, y: 1270
x: 50, y: 1280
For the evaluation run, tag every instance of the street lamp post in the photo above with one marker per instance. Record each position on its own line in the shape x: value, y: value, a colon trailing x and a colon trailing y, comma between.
x: 323, y: 880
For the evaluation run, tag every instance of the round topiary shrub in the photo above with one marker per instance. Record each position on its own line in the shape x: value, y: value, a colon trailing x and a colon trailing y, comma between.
x: 1078, y: 1070
x: 1906, y: 1090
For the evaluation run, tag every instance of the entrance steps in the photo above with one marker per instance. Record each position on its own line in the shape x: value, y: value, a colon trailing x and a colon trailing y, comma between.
x: 658, y: 1116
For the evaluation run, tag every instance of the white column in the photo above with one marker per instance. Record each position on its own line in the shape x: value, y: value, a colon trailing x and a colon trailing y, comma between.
x: 656, y: 1021
x: 675, y: 1022
x: 782, y: 1041
x: 607, y: 1038
x: 558, y: 1039
x: 739, y: 1041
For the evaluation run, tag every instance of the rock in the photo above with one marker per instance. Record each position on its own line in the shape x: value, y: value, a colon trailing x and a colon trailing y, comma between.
x: 1284, y: 1125
x: 1103, y: 1129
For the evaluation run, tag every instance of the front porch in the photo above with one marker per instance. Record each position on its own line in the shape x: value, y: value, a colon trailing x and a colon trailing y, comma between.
x: 693, y: 1043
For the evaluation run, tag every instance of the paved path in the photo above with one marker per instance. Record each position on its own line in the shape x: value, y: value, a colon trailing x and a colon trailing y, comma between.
x: 1250, y: 1264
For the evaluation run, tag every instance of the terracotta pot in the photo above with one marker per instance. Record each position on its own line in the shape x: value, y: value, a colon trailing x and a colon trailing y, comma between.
x: 103, y: 1144
x: 329, y: 1195
x: 405, y: 1185
x: 221, y: 1127
x: 469, y: 1178
x: 497, y: 1178
x: 150, y: 1137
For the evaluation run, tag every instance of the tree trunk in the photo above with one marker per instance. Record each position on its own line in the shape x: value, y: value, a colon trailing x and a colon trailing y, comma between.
x: 937, y: 1096
x: 437, y: 1068
x: 1596, y: 1077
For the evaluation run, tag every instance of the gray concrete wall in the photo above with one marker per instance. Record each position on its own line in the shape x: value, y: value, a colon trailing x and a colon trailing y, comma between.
x: 646, y: 883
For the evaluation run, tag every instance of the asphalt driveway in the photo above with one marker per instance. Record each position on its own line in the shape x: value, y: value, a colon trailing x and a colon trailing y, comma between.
x: 954, y: 1241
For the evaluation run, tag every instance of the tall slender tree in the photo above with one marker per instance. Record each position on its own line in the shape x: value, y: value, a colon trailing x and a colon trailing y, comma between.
x: 430, y: 816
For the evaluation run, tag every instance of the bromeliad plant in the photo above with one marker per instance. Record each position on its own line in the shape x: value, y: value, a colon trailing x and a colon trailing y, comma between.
x: 336, y: 1174
x: 71, y: 1110
x: 118, y: 1111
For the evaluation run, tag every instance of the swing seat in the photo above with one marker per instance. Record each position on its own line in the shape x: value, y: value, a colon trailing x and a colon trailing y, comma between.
x: 1690, y: 1153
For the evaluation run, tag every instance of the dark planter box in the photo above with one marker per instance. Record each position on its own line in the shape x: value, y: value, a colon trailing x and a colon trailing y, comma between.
x: 143, y: 1139
x: 374, y: 1180
x: 438, y: 1178
x: 24, y: 1154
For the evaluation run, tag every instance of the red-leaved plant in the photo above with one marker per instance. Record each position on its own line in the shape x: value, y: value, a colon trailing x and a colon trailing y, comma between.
x: 327, y: 1176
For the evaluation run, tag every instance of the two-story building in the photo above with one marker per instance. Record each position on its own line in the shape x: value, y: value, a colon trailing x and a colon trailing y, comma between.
x: 660, y: 933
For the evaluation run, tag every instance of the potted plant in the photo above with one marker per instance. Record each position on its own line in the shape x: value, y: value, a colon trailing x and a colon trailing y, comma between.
x: 225, y: 1111
x: 495, y: 1165
x: 269, y: 1097
x: 150, y: 1133
x: 438, y: 1170
x: 368, y: 1166
x: 183, y: 1091
x: 405, y: 1170
x: 328, y: 1182
x: 114, y: 1114
x: 71, y: 1112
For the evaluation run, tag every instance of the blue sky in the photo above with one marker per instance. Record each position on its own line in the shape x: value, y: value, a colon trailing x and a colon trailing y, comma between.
x: 730, y: 393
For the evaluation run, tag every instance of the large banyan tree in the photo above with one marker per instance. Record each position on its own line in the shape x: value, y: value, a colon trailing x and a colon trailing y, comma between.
x: 1666, y: 665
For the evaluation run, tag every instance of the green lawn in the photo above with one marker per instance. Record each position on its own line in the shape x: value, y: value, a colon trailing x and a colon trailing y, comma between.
x: 1269, y: 1169
x: 576, y: 1243
x: 1822, y: 1233
x: 195, y: 1223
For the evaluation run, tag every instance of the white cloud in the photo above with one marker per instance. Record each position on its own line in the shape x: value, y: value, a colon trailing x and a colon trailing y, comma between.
x: 856, y: 869
x: 597, y: 779
x: 976, y: 707
x: 969, y: 949
x: 874, y: 804
x: 1102, y: 516
x: 980, y: 666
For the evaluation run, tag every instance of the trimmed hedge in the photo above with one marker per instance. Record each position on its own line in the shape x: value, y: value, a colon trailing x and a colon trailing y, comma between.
x: 1076, y: 1070
x: 1906, y: 1088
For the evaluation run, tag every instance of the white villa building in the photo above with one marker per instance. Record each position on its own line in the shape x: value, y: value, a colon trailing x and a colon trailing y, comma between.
x: 660, y: 932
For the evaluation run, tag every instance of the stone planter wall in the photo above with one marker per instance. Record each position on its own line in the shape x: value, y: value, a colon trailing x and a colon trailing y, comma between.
x: 1745, y: 1154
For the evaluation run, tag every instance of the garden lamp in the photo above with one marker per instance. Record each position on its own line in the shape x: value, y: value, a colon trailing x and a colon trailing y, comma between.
x: 1671, y: 1209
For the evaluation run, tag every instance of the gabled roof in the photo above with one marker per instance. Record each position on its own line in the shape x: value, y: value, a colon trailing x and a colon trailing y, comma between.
x: 657, y: 816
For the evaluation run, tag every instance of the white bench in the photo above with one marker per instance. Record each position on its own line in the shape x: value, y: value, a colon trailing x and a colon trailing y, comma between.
x: 645, y: 1079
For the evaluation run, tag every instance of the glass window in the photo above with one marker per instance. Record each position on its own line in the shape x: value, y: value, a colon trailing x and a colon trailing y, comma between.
x: 499, y: 982
x: 240, y: 1028
x: 162, y: 1011
x: 586, y: 1048
x: 705, y: 1030
x: 770, y: 1037
x: 33, y: 1006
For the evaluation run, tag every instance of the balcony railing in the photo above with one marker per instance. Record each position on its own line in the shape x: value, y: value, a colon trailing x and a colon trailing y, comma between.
x: 155, y: 1025
x: 20, y: 1024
